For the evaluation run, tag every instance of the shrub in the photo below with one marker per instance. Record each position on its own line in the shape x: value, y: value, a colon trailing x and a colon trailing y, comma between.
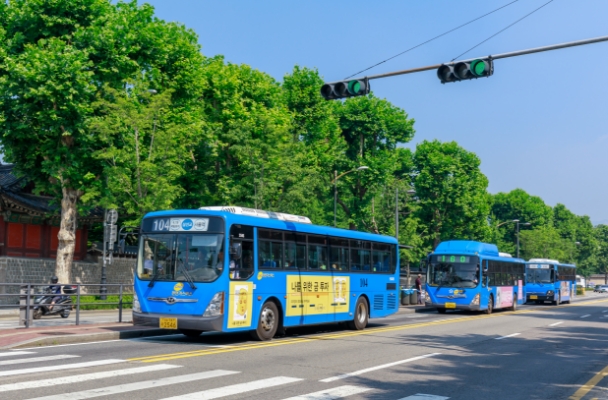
x: 95, y: 303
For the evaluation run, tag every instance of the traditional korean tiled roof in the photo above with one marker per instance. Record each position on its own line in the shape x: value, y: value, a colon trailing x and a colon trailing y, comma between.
x: 14, y: 198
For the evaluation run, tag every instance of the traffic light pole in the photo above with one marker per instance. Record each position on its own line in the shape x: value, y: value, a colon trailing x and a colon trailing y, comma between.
x: 495, y: 57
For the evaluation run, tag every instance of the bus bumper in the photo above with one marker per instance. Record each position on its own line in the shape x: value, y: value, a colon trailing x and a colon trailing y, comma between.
x: 466, y: 307
x: 539, y: 297
x: 183, y: 321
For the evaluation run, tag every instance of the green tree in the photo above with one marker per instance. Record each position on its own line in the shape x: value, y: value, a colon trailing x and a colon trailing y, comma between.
x: 542, y: 242
x: 57, y: 55
x: 601, y: 253
x: 451, y: 189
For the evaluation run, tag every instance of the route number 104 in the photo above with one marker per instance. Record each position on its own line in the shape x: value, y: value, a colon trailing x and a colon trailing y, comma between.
x: 363, y: 282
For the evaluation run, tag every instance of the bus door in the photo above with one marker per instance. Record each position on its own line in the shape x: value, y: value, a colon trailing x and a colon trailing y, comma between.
x: 484, y: 293
x: 296, y: 287
x: 241, y: 271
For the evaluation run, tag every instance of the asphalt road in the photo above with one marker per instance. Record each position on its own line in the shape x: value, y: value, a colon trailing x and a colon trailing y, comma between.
x: 537, y: 352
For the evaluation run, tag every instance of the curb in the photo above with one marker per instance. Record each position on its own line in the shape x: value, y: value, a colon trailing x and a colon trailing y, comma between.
x: 89, y: 337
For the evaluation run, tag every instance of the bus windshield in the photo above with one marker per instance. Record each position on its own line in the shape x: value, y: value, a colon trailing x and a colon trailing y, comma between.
x: 453, y: 271
x: 175, y: 257
x: 539, y: 275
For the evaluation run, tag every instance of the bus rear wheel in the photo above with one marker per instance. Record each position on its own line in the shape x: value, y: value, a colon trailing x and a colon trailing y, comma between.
x: 361, y: 315
x: 558, y: 301
x: 514, y: 306
x: 490, y: 305
x: 268, y: 322
x: 191, y: 332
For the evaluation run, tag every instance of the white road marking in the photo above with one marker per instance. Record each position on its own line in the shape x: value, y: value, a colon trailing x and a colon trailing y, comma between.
x: 37, y: 359
x: 557, y: 323
x: 59, y: 367
x: 420, y: 396
x: 124, y: 340
x: 83, y: 378
x: 130, y: 387
x: 508, y: 336
x: 363, y: 371
x: 605, y: 311
x: 16, y: 353
x: 235, y: 389
x: 585, y: 316
x: 332, y: 394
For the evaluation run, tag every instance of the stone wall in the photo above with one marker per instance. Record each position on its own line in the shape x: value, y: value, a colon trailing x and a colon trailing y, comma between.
x: 16, y: 270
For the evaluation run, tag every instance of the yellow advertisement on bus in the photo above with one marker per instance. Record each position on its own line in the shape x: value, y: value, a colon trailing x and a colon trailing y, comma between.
x: 317, y: 294
x: 240, y: 304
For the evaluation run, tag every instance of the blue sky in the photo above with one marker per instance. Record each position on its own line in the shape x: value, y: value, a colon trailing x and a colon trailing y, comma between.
x: 539, y: 123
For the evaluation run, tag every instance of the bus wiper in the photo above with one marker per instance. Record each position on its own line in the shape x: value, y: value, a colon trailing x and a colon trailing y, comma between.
x: 154, y: 277
x: 189, y: 278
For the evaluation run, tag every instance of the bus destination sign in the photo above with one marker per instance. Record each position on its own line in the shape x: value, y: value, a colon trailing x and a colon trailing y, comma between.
x: 180, y: 224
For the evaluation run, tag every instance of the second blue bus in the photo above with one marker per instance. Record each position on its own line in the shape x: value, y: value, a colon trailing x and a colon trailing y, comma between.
x: 469, y: 275
x: 550, y: 281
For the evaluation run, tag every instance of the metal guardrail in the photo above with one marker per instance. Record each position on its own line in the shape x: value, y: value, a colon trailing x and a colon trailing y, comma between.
x: 26, y: 297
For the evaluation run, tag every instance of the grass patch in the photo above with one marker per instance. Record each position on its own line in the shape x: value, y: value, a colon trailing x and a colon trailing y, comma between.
x: 95, y: 303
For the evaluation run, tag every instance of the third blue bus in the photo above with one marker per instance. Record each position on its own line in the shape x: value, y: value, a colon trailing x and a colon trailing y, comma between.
x: 550, y: 281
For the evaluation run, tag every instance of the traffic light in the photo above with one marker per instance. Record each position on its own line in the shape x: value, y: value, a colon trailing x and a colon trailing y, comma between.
x: 465, y: 70
x: 341, y: 90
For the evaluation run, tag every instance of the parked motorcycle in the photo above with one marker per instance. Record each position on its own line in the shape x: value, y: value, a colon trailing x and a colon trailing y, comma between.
x: 63, y: 306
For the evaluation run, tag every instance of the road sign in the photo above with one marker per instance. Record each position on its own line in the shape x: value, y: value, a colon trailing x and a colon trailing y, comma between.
x: 111, y: 216
x: 110, y: 233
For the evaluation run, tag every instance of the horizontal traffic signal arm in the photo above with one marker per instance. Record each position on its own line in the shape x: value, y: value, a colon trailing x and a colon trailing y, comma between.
x: 449, y: 72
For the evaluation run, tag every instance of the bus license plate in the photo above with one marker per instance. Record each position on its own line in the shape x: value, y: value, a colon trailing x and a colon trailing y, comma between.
x: 168, y: 323
x: 533, y: 297
x: 450, y: 305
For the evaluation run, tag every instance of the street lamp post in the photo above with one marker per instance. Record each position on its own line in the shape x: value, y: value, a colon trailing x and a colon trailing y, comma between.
x: 335, y: 182
x: 516, y: 230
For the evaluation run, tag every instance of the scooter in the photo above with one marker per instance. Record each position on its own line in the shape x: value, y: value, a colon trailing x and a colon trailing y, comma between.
x: 62, y: 307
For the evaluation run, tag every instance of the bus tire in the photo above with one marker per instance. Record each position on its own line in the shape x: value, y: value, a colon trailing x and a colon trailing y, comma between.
x: 361, y: 315
x: 192, y: 333
x: 490, y: 305
x: 558, y: 301
x: 268, y: 322
x: 514, y: 306
x: 441, y: 310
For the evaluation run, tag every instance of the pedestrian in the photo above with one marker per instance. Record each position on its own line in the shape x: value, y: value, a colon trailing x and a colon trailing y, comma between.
x: 419, y: 288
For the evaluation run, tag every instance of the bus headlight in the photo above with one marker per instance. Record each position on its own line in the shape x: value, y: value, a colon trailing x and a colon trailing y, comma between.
x: 136, y: 305
x: 216, y: 306
x: 427, y: 298
x: 475, y: 301
x: 550, y: 293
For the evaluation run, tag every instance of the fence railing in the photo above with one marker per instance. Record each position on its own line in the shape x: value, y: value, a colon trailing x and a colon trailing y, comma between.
x: 27, y: 293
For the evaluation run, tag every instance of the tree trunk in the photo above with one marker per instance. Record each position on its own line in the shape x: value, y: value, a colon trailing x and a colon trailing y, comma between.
x: 67, y: 234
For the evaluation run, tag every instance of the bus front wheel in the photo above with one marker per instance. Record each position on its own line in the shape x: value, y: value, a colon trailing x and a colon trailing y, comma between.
x: 268, y: 322
x: 361, y: 315
x: 514, y: 306
x: 490, y: 305
x: 558, y: 301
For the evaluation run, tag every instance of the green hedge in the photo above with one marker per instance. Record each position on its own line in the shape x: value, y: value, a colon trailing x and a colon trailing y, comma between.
x: 580, y: 291
x: 127, y: 299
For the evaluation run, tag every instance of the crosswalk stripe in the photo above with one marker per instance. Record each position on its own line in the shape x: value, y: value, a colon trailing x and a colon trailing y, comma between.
x: 85, y: 377
x: 130, y: 387
x: 59, y: 367
x: 235, y: 389
x: 37, y: 359
x: 16, y: 353
x: 332, y: 394
x: 363, y: 371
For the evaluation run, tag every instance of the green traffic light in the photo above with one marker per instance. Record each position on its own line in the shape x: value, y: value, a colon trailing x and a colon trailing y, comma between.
x: 354, y: 87
x: 478, y: 67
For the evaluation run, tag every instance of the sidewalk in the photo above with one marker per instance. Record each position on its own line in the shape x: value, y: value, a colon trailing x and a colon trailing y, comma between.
x: 48, y: 336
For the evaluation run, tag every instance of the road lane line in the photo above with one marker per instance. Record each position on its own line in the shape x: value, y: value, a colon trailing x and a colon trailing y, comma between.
x: 583, y: 390
x: 130, y: 387
x: 16, y: 353
x: 371, y: 331
x: 59, y: 367
x: 332, y: 394
x: 585, y: 316
x: 239, y: 388
x: 421, y: 396
x: 508, y: 336
x: 85, y: 377
x: 557, y: 323
x: 37, y: 359
x: 605, y: 311
x: 363, y: 371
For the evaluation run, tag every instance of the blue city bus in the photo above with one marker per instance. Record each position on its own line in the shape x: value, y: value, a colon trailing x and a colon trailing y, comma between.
x: 550, y: 281
x: 467, y: 275
x: 233, y: 269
